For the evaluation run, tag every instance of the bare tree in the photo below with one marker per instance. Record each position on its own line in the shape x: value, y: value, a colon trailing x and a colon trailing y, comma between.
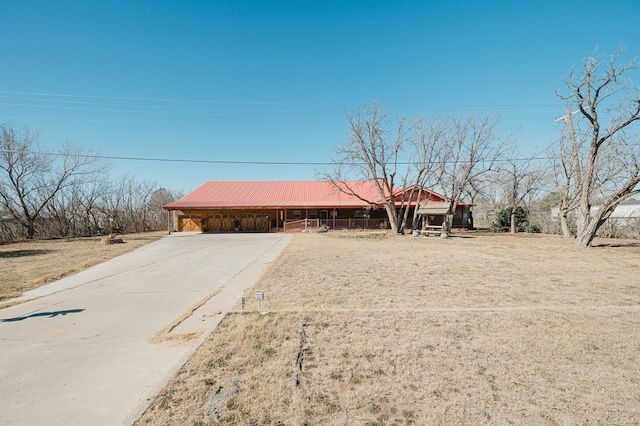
x: 89, y: 197
x: 62, y: 213
x: 521, y: 178
x: 371, y: 153
x: 143, y: 192
x: 449, y: 154
x: 129, y: 205
x: 485, y: 192
x: 30, y: 178
x: 564, y: 171
x: 567, y: 171
x: 470, y: 150
x: 121, y: 205
x: 425, y: 144
x: 604, y: 157
x: 113, y: 203
x: 75, y: 211
x: 157, y: 217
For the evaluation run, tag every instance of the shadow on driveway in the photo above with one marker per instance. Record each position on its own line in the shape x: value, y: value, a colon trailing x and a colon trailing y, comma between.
x: 43, y: 314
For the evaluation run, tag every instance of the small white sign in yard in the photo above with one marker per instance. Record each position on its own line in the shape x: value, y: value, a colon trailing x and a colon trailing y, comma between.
x: 259, y: 295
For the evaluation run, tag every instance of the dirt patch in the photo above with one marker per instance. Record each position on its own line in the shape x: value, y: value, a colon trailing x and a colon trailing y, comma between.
x: 167, y: 334
x: 401, y: 330
x: 29, y: 265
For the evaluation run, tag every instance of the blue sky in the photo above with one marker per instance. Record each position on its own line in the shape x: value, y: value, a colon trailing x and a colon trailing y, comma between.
x: 270, y: 81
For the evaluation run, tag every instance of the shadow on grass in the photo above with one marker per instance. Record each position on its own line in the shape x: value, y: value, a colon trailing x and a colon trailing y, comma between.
x: 617, y: 245
x: 24, y: 253
x: 43, y: 314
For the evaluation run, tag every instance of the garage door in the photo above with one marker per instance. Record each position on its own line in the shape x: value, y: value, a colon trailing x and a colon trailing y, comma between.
x: 189, y: 223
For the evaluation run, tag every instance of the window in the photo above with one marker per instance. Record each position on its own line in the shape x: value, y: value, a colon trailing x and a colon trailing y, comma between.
x: 313, y: 214
x: 359, y: 214
x: 297, y: 214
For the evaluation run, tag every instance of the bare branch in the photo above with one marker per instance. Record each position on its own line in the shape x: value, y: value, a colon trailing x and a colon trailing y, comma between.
x: 602, y: 165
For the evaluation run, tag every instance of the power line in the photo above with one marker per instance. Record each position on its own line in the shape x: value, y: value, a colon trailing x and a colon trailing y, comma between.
x: 175, y: 160
x: 257, y: 103
x: 201, y: 114
x: 193, y: 161
x: 128, y: 98
x: 242, y: 162
x: 198, y: 109
x: 59, y: 103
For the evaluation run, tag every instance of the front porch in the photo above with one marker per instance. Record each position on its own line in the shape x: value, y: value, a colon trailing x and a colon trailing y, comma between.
x: 292, y: 220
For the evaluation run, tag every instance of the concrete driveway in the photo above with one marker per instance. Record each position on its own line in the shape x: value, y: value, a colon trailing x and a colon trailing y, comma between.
x: 80, y: 354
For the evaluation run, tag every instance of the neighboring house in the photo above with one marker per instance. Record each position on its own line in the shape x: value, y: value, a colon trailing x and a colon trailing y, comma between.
x: 259, y: 206
x: 625, y: 213
x: 621, y: 215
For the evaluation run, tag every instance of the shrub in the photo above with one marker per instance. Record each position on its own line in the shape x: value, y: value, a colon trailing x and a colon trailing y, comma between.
x: 503, y: 220
x: 533, y: 229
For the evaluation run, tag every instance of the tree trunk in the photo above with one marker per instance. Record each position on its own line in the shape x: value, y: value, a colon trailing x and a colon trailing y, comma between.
x: 588, y: 225
x: 513, y: 220
x: 587, y: 234
x: 583, y: 221
x: 416, y: 219
x: 392, y: 215
x: 401, y: 220
x: 447, y: 224
x: 448, y: 219
x: 405, y: 216
x: 31, y: 230
x: 564, y: 225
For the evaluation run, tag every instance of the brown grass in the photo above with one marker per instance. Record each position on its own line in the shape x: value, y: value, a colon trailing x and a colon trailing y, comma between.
x: 375, y: 329
x: 27, y: 265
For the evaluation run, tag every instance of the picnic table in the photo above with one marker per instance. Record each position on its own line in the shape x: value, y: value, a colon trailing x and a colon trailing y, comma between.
x: 431, y: 230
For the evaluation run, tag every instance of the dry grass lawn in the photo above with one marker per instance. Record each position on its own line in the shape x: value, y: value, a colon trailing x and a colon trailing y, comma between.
x: 28, y: 265
x: 377, y: 329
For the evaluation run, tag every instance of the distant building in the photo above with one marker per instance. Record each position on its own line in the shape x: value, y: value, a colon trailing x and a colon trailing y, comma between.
x: 622, y: 214
x: 625, y: 213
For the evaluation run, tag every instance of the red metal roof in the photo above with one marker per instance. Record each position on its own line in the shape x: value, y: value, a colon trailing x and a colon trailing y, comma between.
x: 262, y: 194
x: 278, y: 194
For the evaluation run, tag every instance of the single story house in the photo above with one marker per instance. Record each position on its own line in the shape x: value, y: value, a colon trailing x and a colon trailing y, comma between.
x: 266, y: 206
